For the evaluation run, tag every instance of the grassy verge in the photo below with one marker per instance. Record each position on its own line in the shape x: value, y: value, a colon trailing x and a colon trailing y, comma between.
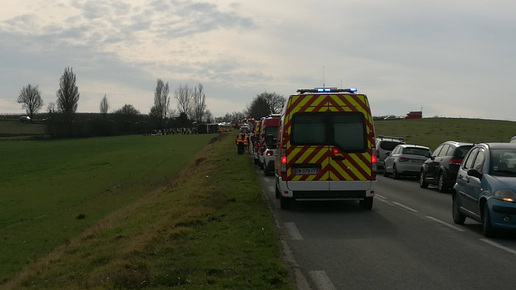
x: 16, y: 128
x: 50, y: 191
x: 210, y: 228
x: 432, y: 132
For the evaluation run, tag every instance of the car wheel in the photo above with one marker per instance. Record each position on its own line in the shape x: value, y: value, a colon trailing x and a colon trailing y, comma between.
x: 395, y: 173
x: 367, y: 203
x: 285, y: 202
x: 487, y: 229
x: 256, y: 161
x: 458, y: 217
x: 422, y: 181
x: 441, y: 183
x: 385, y: 173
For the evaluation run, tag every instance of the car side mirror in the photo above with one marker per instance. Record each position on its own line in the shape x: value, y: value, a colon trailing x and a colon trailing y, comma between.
x: 475, y: 173
x: 427, y: 154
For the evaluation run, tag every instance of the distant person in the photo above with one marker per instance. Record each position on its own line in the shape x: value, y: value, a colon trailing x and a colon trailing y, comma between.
x: 240, y: 143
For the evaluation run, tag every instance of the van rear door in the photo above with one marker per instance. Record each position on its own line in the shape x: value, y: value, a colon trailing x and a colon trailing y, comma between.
x: 307, y: 152
x: 351, y: 130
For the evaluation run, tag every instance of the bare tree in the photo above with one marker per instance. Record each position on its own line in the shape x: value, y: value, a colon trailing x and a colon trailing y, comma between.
x: 51, y: 108
x: 104, y: 106
x: 208, y: 117
x: 68, y: 93
x: 183, y: 96
x: 127, y: 109
x: 274, y: 101
x: 161, y: 102
x: 30, y: 97
x: 199, y: 103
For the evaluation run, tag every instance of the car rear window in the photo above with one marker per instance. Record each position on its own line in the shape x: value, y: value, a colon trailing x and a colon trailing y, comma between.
x: 461, y: 151
x: 389, y: 145
x: 345, y: 130
x: 415, y: 151
x: 272, y: 131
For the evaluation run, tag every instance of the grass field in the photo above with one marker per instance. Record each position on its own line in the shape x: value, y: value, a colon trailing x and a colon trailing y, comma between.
x: 52, y: 190
x: 208, y: 228
x: 432, y: 132
x: 9, y: 128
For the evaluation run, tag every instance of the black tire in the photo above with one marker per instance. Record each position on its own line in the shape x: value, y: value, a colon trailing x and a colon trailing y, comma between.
x: 458, y: 217
x: 256, y: 161
x: 487, y: 229
x: 285, y: 202
x: 260, y: 164
x: 366, y: 204
x: 395, y: 173
x: 278, y: 193
x: 441, y: 183
x: 422, y: 181
x: 385, y: 173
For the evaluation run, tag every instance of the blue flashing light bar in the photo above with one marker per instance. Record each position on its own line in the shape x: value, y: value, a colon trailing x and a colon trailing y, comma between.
x: 328, y: 90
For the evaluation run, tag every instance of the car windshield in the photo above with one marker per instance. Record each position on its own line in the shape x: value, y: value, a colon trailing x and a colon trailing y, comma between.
x: 389, y: 145
x: 503, y: 162
x: 415, y: 151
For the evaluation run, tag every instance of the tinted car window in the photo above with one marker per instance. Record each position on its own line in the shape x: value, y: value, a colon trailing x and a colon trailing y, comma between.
x: 389, y: 145
x: 272, y: 131
x: 461, y: 151
x: 471, y: 158
x: 436, y: 152
x: 479, y: 161
x: 443, y: 151
x: 415, y: 151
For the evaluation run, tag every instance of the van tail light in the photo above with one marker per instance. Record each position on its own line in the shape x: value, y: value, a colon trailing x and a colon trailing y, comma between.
x: 283, y: 161
x: 373, y: 165
x: 335, y: 151
x: 403, y: 159
x: 455, y: 161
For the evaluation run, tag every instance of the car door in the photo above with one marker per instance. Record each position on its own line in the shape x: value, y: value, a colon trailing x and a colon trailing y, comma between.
x: 389, y: 160
x: 473, y: 184
x: 430, y: 164
x: 466, y: 199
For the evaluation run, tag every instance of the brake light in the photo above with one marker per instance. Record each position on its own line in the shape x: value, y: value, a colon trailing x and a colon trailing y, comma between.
x: 403, y: 159
x: 284, y: 160
x: 373, y: 159
x: 373, y: 164
x: 456, y: 161
x: 269, y: 153
x: 335, y: 151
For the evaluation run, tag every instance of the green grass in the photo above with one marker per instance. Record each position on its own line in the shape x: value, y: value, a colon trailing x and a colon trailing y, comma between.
x: 9, y: 128
x: 432, y: 132
x: 51, y: 191
x: 210, y: 228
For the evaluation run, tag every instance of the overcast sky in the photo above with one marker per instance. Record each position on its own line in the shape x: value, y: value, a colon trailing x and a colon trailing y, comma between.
x: 454, y: 58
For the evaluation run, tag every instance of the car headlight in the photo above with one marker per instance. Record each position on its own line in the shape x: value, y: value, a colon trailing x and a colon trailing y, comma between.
x: 505, y: 195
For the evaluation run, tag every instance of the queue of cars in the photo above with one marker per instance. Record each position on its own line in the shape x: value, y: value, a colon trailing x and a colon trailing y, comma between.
x: 482, y: 176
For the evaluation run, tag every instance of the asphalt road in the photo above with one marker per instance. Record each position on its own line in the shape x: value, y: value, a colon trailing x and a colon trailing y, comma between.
x: 407, y: 241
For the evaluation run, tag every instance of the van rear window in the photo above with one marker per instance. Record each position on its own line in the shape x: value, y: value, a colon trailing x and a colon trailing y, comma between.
x: 345, y: 130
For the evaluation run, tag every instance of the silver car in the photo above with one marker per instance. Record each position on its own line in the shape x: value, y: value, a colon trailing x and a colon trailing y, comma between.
x: 405, y: 159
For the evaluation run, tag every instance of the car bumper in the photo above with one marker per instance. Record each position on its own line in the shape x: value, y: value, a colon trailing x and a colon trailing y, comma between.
x: 502, y: 214
x: 407, y: 168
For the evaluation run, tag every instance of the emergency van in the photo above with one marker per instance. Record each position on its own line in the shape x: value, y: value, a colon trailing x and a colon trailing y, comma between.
x: 326, y: 148
x: 255, y: 142
x: 268, y: 135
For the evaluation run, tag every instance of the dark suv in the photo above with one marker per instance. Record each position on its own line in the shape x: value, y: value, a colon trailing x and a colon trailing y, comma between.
x: 442, y: 165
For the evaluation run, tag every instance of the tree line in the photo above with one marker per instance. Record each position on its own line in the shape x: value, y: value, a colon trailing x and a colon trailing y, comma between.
x: 63, y: 121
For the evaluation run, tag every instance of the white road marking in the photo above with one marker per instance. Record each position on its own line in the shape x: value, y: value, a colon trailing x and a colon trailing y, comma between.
x: 380, y: 196
x: 293, y: 232
x: 499, y: 246
x: 405, y: 207
x: 321, y: 280
x: 271, y: 188
x: 385, y: 201
x: 445, y: 223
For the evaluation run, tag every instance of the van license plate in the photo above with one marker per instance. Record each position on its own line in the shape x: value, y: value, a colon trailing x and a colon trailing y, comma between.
x: 306, y: 171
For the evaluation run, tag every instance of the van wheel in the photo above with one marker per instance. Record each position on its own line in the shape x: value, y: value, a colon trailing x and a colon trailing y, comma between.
x: 367, y: 203
x: 458, y: 217
x: 487, y: 229
x: 422, y: 181
x: 441, y: 183
x: 395, y: 173
x: 285, y: 202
